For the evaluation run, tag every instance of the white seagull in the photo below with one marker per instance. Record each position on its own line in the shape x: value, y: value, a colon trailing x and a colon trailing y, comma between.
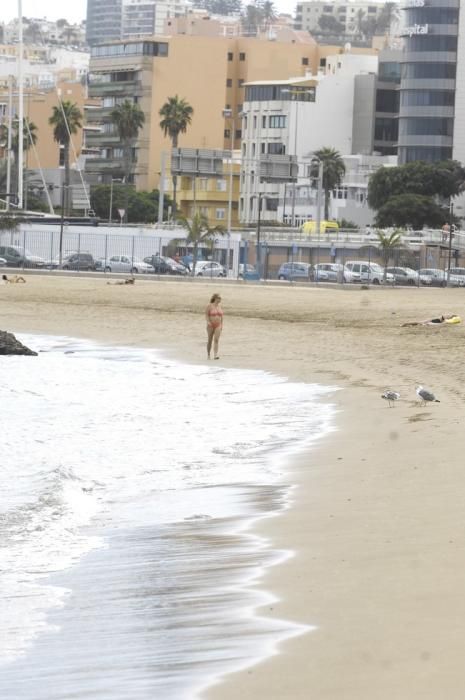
x: 391, y: 397
x: 425, y: 395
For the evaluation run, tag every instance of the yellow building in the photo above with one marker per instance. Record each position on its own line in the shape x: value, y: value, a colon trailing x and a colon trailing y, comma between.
x: 210, y: 196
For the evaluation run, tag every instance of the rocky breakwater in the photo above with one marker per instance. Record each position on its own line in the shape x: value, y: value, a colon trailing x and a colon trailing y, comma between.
x: 9, y: 345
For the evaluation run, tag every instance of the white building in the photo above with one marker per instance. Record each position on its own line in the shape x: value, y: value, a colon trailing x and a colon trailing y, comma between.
x: 350, y: 15
x: 297, y: 117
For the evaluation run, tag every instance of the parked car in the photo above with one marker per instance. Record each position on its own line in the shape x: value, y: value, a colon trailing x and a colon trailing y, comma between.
x: 439, y: 277
x: 165, y: 266
x: 458, y: 271
x: 328, y: 272
x: 362, y: 271
x: 76, y: 261
x: 16, y: 256
x: 2, y: 262
x: 248, y: 272
x: 404, y: 275
x: 123, y: 263
x: 295, y: 271
x: 209, y: 268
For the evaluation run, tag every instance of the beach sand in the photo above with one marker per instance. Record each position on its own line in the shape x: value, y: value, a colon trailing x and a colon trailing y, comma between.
x: 377, y: 519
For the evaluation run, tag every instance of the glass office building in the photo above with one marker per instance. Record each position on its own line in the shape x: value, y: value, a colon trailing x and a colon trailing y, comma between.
x: 428, y: 80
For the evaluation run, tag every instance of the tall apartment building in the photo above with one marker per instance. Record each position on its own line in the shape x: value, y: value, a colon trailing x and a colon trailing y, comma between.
x: 349, y: 14
x: 209, y: 72
x: 104, y: 20
x: 144, y: 18
x: 429, y: 92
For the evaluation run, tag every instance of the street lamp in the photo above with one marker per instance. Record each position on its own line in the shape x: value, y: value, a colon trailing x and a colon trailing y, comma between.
x: 228, y: 114
x: 295, y: 92
x: 113, y: 179
x: 319, y: 180
x: 259, y: 197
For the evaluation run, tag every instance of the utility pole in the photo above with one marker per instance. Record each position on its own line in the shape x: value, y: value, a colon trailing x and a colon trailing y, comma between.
x: 20, y: 107
x: 451, y: 233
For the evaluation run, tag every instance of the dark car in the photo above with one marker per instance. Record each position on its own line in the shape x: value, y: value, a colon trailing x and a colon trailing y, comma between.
x: 16, y: 256
x: 78, y: 261
x: 166, y: 266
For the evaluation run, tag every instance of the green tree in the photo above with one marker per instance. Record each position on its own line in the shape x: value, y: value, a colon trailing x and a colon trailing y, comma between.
x: 66, y: 120
x: 442, y: 180
x: 360, y: 17
x: 251, y: 19
x: 388, y: 15
x: 413, y: 210
x: 333, y: 172
x: 29, y: 137
x: 330, y: 25
x: 129, y: 120
x: 176, y: 116
x: 268, y: 12
x: 198, y: 232
x: 142, y: 207
x: 388, y: 245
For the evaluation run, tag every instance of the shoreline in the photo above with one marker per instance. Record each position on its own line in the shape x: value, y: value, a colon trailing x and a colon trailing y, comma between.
x: 376, y: 521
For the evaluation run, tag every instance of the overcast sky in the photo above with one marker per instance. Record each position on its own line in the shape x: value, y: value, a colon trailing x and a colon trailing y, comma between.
x: 75, y: 10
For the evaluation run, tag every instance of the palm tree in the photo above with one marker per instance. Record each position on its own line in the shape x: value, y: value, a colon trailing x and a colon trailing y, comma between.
x: 176, y: 116
x: 269, y: 13
x: 360, y: 16
x: 29, y: 136
x: 198, y: 231
x: 388, y: 244
x: 333, y: 172
x: 129, y: 120
x: 66, y: 120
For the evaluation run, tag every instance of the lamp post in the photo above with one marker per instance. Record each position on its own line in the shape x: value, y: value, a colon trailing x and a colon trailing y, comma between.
x: 260, y: 196
x: 228, y: 114
x: 113, y: 179
x: 295, y: 93
x: 319, y: 190
x: 451, y: 233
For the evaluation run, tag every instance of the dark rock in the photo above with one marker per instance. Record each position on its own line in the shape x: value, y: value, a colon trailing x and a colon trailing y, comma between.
x: 10, y: 346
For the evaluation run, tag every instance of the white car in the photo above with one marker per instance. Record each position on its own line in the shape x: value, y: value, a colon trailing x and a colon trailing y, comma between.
x: 209, y: 268
x: 123, y: 263
x: 362, y: 271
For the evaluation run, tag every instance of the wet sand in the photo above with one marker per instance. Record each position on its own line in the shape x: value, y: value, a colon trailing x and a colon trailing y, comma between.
x: 378, y: 513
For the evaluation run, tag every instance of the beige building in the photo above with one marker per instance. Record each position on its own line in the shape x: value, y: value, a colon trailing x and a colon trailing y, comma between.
x: 207, y: 71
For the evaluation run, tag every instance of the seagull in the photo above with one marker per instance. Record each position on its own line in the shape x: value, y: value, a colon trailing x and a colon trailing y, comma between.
x: 425, y: 395
x: 391, y: 397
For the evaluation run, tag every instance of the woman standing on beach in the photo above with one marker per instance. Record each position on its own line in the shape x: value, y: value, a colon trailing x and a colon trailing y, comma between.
x: 214, y: 316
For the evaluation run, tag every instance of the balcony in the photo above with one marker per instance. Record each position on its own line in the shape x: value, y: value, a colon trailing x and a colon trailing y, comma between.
x: 126, y: 87
x: 104, y: 165
x: 102, y: 139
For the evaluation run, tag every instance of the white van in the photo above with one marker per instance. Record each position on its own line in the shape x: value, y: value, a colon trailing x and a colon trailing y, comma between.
x: 362, y: 271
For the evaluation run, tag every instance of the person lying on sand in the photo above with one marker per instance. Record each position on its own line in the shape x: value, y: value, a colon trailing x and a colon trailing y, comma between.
x: 453, y: 318
x: 131, y: 280
x: 14, y: 279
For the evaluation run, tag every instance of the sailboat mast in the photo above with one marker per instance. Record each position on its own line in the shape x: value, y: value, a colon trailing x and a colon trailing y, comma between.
x: 20, y: 107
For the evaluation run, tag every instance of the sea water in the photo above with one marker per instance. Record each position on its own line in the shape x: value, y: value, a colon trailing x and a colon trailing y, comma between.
x: 128, y: 485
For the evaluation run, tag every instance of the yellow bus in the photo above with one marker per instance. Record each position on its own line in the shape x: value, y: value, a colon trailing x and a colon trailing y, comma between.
x: 325, y: 227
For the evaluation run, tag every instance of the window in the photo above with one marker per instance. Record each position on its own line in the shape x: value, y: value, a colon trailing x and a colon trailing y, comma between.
x: 305, y: 61
x: 278, y: 149
x: 230, y: 56
x: 431, y: 15
x: 428, y: 71
x: 253, y: 150
x: 427, y: 98
x: 255, y: 122
x: 221, y: 185
x: 227, y: 133
x: 387, y: 101
x: 429, y: 126
x: 108, y: 102
x: 239, y: 109
x: 240, y: 82
x: 238, y: 134
x: 322, y: 62
x: 220, y: 214
x: 117, y: 153
x: 277, y: 121
x: 229, y: 82
x: 262, y: 147
x: 263, y: 122
x: 242, y: 57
